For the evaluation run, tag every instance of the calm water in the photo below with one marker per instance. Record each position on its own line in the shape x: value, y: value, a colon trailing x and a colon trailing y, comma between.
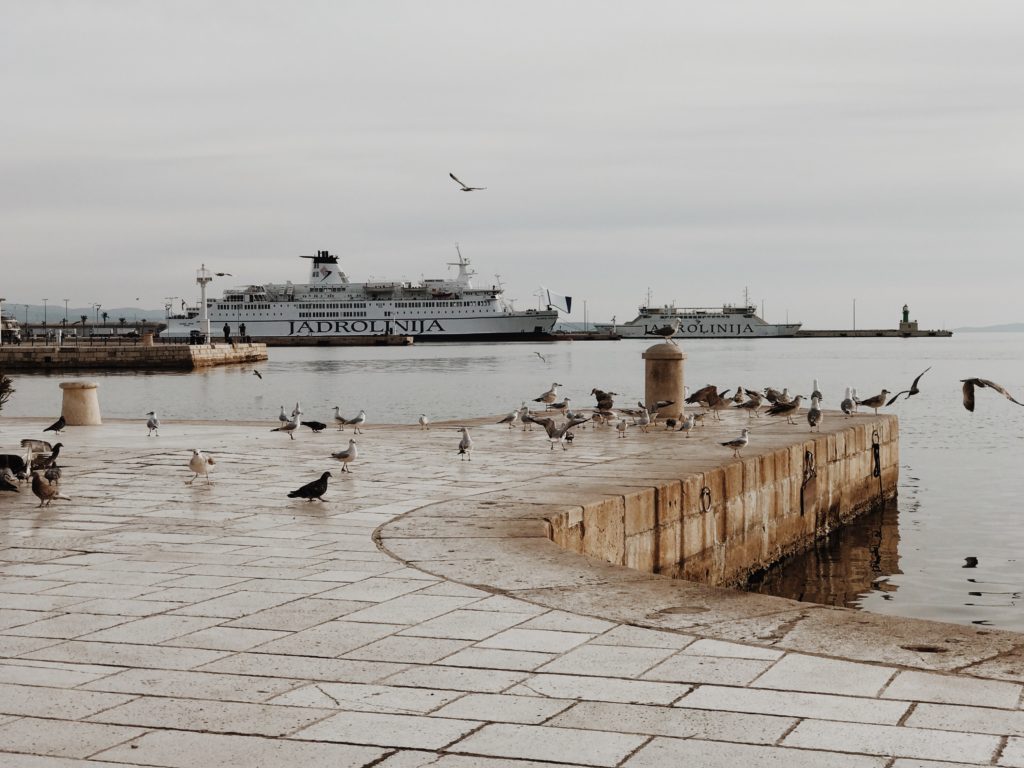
x: 961, y: 480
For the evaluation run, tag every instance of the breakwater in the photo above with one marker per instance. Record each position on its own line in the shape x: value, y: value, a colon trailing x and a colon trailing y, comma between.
x: 177, y: 357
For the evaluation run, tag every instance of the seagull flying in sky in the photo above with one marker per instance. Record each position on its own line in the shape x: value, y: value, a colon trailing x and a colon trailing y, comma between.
x: 913, y: 387
x: 464, y: 187
x: 970, y: 384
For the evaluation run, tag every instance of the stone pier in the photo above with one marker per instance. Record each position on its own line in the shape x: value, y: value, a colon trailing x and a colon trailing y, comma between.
x: 143, y: 357
x: 422, y: 615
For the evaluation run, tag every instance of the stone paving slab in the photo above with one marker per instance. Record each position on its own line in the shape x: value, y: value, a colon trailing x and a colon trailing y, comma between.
x: 421, y: 617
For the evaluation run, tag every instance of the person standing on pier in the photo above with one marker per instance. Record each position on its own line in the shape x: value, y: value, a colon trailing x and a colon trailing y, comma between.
x: 241, y: 333
x: 227, y: 333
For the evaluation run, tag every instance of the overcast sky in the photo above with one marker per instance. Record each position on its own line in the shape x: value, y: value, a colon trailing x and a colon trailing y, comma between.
x: 815, y: 152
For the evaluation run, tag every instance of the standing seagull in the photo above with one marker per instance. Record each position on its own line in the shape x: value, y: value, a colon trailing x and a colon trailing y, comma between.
x: 549, y: 396
x: 338, y: 418
x: 424, y: 421
x: 153, y: 423
x: 913, y: 387
x: 466, y: 445
x: 282, y: 416
x: 814, y: 415
x: 357, y: 422
x: 970, y: 384
x: 57, y: 426
x: 739, y: 443
x: 510, y: 419
x: 786, y: 409
x: 875, y: 402
x: 464, y: 187
x: 313, y: 490
x: 686, y: 424
x: 289, y: 426
x: 847, y: 405
x: 346, y: 457
x: 200, y: 464
x: 816, y: 393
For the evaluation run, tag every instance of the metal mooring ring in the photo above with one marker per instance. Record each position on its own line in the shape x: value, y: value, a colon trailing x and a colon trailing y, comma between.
x: 705, y: 499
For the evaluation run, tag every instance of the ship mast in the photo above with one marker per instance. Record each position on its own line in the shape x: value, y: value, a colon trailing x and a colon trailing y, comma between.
x: 465, y: 273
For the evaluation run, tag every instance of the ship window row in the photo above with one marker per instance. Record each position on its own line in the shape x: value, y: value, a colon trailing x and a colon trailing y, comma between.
x: 332, y: 314
x: 415, y: 304
x: 248, y: 307
x: 343, y: 305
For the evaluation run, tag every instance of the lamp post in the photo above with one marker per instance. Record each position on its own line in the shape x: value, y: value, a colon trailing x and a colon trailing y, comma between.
x: 203, y: 277
x: 97, y: 308
x: 2, y: 300
x: 66, y: 311
x: 44, y: 311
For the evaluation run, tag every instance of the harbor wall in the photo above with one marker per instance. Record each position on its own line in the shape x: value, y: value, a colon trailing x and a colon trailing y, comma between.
x: 721, y: 525
x: 130, y: 357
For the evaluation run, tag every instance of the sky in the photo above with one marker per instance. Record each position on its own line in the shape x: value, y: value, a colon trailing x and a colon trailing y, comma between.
x: 819, y: 154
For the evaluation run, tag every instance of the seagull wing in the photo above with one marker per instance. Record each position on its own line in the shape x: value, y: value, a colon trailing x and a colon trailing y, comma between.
x: 998, y: 388
x: 896, y: 397
x: 457, y: 180
x: 922, y: 373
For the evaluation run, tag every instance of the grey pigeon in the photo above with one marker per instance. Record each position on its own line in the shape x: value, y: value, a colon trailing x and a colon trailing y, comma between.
x: 313, y: 490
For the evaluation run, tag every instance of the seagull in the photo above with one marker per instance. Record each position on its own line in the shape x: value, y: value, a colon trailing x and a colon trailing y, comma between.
x: 296, y: 410
x: 316, y: 426
x: 424, y: 421
x: 347, y: 456
x: 45, y: 491
x: 282, y: 416
x: 549, y: 396
x: 700, y: 397
x: 644, y: 420
x: 42, y: 462
x: 771, y: 395
x: 466, y: 445
x: 723, y: 403
x: 848, y: 406
x: 313, y: 490
x: 752, y: 404
x: 538, y: 354
x: 856, y: 402
x: 815, y: 392
x: 223, y: 274
x: 738, y: 397
x: 686, y: 424
x: 560, y: 434
x: 564, y: 405
x: 200, y: 463
x: 357, y: 422
x: 510, y: 419
x: 257, y: 374
x: 8, y: 481
x: 289, y: 426
x: 338, y: 418
x: 786, y: 409
x: 814, y: 414
x: 57, y: 426
x: 153, y: 423
x: 464, y: 187
x: 913, y: 388
x: 739, y: 443
x: 604, y: 399
x: 622, y: 426
x: 875, y: 402
x: 667, y: 332
x: 970, y: 384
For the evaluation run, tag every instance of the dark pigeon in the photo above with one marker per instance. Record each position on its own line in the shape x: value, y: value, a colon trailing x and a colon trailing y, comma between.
x: 314, y: 490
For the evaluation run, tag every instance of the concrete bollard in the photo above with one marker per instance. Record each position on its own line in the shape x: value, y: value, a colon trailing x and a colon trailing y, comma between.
x: 147, y: 339
x: 81, y: 406
x: 663, y: 378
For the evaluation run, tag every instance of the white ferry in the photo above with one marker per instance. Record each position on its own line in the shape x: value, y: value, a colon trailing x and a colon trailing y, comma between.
x: 10, y: 331
x: 330, y: 307
x: 725, y: 322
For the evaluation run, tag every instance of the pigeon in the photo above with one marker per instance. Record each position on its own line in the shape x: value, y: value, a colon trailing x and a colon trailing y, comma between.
x: 45, y: 491
x: 153, y: 423
x: 814, y: 414
x: 289, y: 426
x: 913, y: 388
x: 200, y: 464
x: 739, y: 443
x: 970, y: 384
x: 313, y: 490
x: 464, y: 187
x: 57, y: 426
x: 257, y: 374
x: 347, y: 456
x: 316, y: 426
x: 8, y: 482
x: 875, y: 402
x: 424, y: 421
x: 466, y: 445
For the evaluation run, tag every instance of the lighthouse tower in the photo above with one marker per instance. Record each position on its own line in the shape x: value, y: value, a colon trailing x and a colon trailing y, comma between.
x: 907, y: 326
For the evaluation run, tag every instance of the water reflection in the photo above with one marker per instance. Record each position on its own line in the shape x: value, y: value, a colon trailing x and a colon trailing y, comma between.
x: 852, y: 562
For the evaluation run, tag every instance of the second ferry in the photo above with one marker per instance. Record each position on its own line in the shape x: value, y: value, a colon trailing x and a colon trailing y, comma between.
x: 725, y: 322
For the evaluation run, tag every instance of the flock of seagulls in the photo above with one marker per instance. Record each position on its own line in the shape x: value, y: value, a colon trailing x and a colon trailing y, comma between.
x: 38, y: 464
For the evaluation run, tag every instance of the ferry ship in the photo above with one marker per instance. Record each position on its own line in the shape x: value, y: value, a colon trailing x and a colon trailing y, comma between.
x: 329, y: 307
x: 725, y: 322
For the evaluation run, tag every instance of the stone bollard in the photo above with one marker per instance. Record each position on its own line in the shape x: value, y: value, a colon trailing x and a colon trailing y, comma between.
x: 663, y: 378
x: 147, y: 339
x: 81, y: 406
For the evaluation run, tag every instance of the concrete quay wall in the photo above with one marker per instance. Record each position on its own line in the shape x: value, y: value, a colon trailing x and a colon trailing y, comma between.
x: 721, y: 524
x: 136, y: 356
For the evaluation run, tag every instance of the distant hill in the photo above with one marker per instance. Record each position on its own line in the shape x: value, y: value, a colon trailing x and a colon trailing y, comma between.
x: 1004, y: 328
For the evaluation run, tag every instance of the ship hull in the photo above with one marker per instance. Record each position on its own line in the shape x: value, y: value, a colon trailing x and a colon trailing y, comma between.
x: 705, y: 330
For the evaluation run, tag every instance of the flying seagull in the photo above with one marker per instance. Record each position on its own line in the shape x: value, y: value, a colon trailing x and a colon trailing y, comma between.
x: 970, y: 384
x: 258, y: 375
x: 538, y: 354
x: 200, y: 464
x: 57, y: 426
x: 313, y: 490
x: 153, y: 423
x: 464, y: 187
x: 347, y: 456
x: 739, y: 443
x: 913, y: 387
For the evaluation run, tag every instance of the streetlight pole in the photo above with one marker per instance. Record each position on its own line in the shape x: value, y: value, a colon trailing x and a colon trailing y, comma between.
x: 203, y: 277
x: 66, y: 311
x: 2, y: 300
x: 44, y: 311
